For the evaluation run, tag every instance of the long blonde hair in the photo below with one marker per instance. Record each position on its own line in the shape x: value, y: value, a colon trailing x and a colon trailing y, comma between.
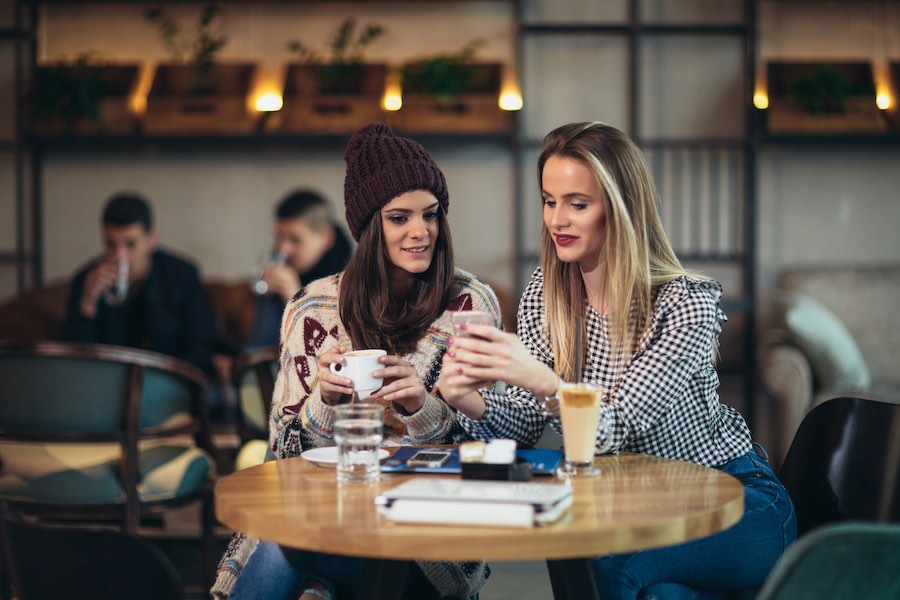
x: 637, y: 254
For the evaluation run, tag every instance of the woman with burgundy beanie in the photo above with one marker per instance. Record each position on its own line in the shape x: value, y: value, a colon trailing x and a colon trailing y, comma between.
x: 396, y: 293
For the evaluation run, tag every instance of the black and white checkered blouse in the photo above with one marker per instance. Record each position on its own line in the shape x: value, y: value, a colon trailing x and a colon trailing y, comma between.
x: 664, y: 400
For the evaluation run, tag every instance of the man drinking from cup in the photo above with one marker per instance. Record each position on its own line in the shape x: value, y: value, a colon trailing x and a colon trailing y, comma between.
x: 139, y: 296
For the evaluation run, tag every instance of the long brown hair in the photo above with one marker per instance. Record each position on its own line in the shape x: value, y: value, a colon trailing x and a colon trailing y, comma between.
x: 375, y: 319
x: 637, y: 254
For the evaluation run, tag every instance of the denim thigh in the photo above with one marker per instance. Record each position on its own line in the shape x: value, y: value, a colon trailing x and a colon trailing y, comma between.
x: 738, y: 558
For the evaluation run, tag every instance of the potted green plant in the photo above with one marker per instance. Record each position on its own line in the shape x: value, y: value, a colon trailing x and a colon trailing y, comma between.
x: 824, y: 90
x: 196, y: 92
x: 83, y: 95
x: 444, y: 76
x: 452, y: 92
x: 822, y: 97
x: 336, y: 91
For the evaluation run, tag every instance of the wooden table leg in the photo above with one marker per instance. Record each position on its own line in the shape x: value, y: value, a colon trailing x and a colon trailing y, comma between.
x: 572, y: 579
x: 383, y: 579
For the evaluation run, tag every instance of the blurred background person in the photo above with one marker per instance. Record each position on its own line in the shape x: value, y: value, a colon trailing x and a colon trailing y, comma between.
x: 308, y: 246
x: 140, y: 296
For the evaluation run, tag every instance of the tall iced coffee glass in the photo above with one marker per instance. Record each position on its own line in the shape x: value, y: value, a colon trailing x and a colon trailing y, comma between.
x: 579, y: 413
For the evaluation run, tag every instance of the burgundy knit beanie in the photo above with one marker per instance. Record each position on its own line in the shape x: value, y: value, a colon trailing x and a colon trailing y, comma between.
x: 381, y: 166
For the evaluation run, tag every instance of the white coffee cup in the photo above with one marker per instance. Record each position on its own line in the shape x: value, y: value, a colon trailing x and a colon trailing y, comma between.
x: 358, y: 366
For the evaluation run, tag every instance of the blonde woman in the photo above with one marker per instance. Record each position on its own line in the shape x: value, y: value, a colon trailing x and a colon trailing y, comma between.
x: 651, y: 332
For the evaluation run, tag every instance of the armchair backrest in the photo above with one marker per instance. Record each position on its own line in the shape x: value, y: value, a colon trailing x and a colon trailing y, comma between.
x: 845, y: 560
x: 56, y: 391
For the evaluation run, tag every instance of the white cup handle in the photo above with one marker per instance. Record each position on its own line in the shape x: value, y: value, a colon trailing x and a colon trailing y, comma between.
x: 336, y: 368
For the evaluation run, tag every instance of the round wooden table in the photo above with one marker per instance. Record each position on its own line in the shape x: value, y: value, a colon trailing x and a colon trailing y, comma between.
x: 639, y: 502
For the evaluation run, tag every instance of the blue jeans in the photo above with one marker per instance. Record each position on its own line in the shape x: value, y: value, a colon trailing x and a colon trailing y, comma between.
x: 716, y: 566
x: 275, y: 573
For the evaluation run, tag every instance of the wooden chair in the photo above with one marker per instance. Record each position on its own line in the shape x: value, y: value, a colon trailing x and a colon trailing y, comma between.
x: 98, y: 433
x: 844, y: 463
x: 90, y: 563
x: 253, y: 376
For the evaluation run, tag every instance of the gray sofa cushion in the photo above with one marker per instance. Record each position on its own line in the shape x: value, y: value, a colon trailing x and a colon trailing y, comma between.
x: 833, y: 353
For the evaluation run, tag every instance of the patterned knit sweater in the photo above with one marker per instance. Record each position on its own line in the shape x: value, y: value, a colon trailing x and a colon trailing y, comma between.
x: 300, y: 420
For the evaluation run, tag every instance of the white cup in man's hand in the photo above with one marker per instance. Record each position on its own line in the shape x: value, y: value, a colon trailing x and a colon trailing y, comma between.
x: 358, y: 366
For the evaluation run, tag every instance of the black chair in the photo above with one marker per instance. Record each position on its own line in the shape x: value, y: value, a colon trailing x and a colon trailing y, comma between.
x: 97, y: 433
x: 89, y: 563
x: 844, y: 463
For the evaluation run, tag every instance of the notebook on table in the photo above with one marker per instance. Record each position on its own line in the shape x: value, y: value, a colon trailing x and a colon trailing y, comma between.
x: 544, y: 461
x: 489, y: 503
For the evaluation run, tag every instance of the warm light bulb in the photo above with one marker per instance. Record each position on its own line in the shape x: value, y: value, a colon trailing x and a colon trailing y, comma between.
x: 761, y: 100
x: 392, y: 100
x: 510, y: 100
x: 883, y: 101
x: 269, y: 102
x: 393, y: 91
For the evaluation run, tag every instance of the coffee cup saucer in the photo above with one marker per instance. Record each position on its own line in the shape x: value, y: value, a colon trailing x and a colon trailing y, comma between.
x: 327, y: 457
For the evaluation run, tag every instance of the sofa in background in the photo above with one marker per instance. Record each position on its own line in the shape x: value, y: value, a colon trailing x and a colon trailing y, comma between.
x: 835, y: 331
x: 39, y: 314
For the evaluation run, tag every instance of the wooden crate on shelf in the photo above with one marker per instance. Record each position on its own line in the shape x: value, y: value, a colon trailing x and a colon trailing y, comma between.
x: 184, y: 100
x: 475, y: 110
x: 893, y: 112
x: 822, y: 98
x: 315, y: 104
x: 83, y: 99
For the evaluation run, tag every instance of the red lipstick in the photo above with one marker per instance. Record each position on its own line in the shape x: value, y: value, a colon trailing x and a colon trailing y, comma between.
x: 564, y: 240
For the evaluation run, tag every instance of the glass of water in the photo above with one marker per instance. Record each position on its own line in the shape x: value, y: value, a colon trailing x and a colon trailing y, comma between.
x: 260, y: 287
x: 358, y: 431
x: 117, y: 294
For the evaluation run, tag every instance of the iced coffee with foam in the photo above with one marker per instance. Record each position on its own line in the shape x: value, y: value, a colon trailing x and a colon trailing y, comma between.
x: 579, y: 413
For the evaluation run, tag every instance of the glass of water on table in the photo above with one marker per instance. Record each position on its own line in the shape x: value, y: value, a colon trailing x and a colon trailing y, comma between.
x: 358, y: 431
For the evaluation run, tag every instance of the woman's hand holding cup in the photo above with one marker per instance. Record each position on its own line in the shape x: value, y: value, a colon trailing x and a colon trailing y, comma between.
x: 333, y: 388
x: 351, y: 372
x: 402, y: 385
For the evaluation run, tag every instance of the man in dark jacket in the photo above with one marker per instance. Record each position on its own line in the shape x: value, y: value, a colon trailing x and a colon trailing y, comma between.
x: 139, y: 296
x: 308, y: 246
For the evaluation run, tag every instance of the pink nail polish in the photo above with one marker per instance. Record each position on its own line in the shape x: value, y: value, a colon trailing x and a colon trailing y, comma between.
x: 452, y: 354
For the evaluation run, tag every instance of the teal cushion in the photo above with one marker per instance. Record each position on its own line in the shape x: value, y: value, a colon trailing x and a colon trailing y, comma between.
x: 90, y: 473
x: 834, y: 355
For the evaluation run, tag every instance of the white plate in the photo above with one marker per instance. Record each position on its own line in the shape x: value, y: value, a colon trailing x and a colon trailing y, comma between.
x: 327, y: 456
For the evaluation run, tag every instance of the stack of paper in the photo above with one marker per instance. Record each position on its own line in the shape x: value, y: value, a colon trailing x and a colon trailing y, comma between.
x: 467, y: 502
